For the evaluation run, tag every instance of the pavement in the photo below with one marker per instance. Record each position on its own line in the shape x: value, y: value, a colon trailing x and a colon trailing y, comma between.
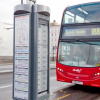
x: 6, y: 68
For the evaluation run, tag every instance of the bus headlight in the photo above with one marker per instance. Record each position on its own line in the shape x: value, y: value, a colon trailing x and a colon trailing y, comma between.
x: 98, y: 73
x: 60, y: 69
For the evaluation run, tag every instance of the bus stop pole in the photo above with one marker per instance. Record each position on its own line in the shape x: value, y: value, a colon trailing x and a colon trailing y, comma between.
x: 30, y: 1
x: 21, y: 1
x: 53, y: 53
x: 30, y: 52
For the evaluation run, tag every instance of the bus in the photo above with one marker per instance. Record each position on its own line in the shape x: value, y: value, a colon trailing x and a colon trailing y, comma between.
x: 78, y: 51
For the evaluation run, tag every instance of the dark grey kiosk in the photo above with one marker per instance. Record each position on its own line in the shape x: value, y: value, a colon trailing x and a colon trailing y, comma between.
x: 31, y: 52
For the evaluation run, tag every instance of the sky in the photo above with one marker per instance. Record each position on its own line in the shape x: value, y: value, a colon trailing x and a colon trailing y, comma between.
x: 57, y: 7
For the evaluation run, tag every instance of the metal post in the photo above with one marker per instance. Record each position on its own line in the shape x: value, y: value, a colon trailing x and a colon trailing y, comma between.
x: 53, y: 55
x: 29, y: 2
x: 21, y: 1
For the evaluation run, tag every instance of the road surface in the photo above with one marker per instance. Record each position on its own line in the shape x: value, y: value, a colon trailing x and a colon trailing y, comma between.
x: 58, y: 90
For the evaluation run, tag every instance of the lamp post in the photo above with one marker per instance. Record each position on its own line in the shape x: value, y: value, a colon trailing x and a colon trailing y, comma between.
x: 21, y: 1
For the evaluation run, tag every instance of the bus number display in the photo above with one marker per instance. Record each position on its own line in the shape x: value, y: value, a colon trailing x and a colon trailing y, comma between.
x: 95, y: 31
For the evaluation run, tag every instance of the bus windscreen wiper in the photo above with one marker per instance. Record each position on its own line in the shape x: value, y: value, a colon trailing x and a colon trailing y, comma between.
x: 85, y: 42
x: 77, y: 40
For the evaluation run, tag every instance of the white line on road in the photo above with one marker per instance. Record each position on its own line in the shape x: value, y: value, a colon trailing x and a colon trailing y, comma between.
x: 53, y: 78
x: 5, y: 86
x: 52, y: 64
x: 6, y: 71
x: 6, y: 68
x: 11, y: 85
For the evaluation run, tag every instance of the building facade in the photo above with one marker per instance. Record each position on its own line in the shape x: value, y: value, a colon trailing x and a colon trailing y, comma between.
x: 6, y: 43
x: 54, y: 35
x: 6, y: 39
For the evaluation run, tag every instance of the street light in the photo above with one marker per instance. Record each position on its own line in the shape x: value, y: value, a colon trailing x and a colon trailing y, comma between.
x: 21, y: 1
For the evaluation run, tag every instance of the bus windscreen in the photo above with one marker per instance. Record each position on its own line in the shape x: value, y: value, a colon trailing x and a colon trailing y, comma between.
x: 91, y: 31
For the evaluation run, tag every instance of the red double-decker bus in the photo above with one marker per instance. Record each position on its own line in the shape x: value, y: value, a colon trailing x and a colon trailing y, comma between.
x: 78, y: 52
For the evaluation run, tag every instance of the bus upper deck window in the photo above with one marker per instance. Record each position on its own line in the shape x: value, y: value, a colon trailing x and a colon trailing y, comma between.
x: 82, y: 14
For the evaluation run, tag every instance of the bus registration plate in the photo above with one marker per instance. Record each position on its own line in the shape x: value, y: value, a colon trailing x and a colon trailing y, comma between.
x: 77, y: 82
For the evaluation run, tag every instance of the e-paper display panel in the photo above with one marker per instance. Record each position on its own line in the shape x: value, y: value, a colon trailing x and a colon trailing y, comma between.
x: 42, y: 57
x: 21, y: 63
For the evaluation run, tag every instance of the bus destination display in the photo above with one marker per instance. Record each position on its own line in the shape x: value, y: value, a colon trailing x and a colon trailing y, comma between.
x: 67, y: 32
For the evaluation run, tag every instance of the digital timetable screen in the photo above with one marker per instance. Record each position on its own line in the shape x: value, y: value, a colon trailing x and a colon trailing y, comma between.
x: 92, y: 31
x: 21, y: 57
x: 42, y: 57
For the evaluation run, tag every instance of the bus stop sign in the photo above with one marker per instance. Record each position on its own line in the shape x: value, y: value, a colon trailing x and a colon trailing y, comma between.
x: 31, y: 52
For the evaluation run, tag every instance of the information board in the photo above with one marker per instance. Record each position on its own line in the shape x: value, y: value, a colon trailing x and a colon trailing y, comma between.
x: 42, y: 57
x: 84, y: 31
x: 21, y: 63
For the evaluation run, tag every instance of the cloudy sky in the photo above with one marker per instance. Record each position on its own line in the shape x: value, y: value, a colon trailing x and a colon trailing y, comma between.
x: 57, y: 7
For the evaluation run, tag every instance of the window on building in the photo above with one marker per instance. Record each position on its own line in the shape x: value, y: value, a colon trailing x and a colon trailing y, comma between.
x: 55, y: 39
x: 52, y: 34
x: 50, y: 29
x: 56, y: 29
x: 55, y: 34
x: 52, y: 45
x: 53, y: 29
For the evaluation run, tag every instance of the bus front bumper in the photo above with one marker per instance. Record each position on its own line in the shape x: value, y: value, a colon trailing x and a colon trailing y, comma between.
x: 95, y: 82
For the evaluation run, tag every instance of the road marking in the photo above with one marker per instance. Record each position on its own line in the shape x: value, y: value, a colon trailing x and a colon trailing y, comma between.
x: 4, y: 71
x: 65, y: 92
x: 5, y: 86
x: 61, y: 90
x: 11, y: 85
x: 63, y: 97
x: 53, y: 78
x: 51, y: 93
x: 52, y: 64
x: 6, y: 67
